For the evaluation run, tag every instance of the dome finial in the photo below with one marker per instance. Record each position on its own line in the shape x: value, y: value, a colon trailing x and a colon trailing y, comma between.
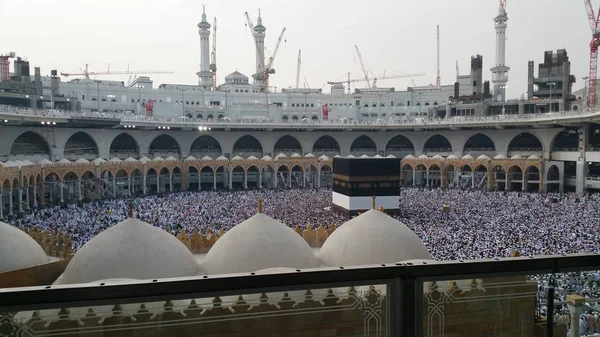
x: 373, y: 204
x: 131, y: 209
x: 260, y: 205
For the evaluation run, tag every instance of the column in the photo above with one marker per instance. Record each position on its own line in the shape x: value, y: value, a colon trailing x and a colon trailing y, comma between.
x: 414, y: 178
x: 290, y: 179
x: 79, y: 189
x: 427, y: 178
x: 171, y: 182
x: 42, y: 194
x: 524, y: 181
x: 230, y: 175
x: 62, y: 198
x: 582, y: 164
x: 10, y: 203
x: 507, y: 182
x: 114, y: 187
x: 144, y: 187
x: 246, y: 180
x: 97, y: 184
x: 214, y: 180
x: 1, y: 202
x: 20, y: 196
x: 183, y: 183
x: 27, y: 197
x: 319, y: 179
x: 129, y: 185
x: 575, y: 304
x: 35, y: 196
x: 158, y: 183
x: 260, y: 173
x: 304, y: 179
x: 472, y: 179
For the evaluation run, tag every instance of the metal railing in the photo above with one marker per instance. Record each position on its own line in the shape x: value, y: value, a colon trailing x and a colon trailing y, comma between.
x: 551, y: 117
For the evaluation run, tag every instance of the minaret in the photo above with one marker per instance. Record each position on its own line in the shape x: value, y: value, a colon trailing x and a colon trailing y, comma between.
x: 259, y: 39
x: 204, y: 75
x: 500, y: 71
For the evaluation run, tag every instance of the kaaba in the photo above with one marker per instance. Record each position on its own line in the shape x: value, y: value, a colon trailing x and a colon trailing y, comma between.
x: 357, y: 180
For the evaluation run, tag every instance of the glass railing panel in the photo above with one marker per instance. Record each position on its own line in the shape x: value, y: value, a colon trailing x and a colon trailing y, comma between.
x: 339, y: 311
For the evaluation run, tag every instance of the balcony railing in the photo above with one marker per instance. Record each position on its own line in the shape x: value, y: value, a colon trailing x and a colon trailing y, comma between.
x: 492, y: 297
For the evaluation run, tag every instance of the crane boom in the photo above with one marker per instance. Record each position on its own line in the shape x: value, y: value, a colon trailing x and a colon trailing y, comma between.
x: 306, y: 83
x: 298, y: 68
x: 272, y: 58
x: 381, y: 78
x: 86, y: 73
x: 213, y: 56
x: 362, y: 65
x: 591, y: 15
x: 438, y: 79
x: 592, y: 96
x: 249, y: 23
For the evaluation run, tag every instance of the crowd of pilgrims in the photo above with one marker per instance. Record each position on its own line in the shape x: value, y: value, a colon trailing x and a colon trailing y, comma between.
x: 479, y: 224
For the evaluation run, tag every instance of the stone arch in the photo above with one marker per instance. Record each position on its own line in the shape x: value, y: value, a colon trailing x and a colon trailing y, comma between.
x: 206, y: 145
x: 567, y: 140
x: 30, y: 144
x: 124, y: 145
x: 553, y: 173
x: 407, y: 175
x: 532, y: 178
x: 246, y: 146
x: 437, y: 144
x: 326, y: 145
x: 363, y: 145
x: 81, y: 145
x: 479, y: 142
x: 288, y: 145
x: 524, y: 143
x: 515, y: 174
x: 164, y: 146
x: 400, y: 146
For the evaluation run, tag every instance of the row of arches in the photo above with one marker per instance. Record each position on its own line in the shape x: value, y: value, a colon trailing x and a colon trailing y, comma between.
x: 82, y: 145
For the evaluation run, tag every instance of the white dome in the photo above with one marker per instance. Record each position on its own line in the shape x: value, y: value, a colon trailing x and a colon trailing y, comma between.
x: 236, y: 158
x: 281, y: 155
x: 190, y: 158
x: 323, y: 158
x: 437, y: 157
x: 467, y: 157
x: 82, y: 161
x: 391, y: 156
x: 131, y: 249
x: 533, y: 157
x: 451, y: 157
x: 372, y: 238
x: 483, y: 157
x: 295, y: 155
x: 252, y: 158
x: 130, y: 160
x: 309, y: 155
x: 45, y: 161
x: 96, y: 161
x: 145, y: 160
x: 377, y: 156
x: 18, y: 250
x: 10, y: 164
x: 158, y: 158
x: 260, y: 242
x: 500, y: 156
x: 351, y: 156
x: 115, y: 160
x: 364, y: 156
x: 423, y: 156
x: 516, y: 156
x: 267, y: 158
x: 171, y: 158
x: 64, y: 161
x: 338, y: 156
x: 222, y: 158
x: 206, y: 158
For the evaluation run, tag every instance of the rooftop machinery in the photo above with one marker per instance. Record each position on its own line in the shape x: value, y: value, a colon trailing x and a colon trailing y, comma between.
x: 86, y: 73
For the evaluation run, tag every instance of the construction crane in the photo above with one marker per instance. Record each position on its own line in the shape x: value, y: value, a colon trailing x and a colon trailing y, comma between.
x: 306, y: 83
x: 5, y: 66
x: 269, y: 68
x: 367, y: 79
x: 298, y: 68
x: 438, y: 79
x: 362, y: 65
x: 213, y: 56
x: 86, y: 73
x: 592, y: 95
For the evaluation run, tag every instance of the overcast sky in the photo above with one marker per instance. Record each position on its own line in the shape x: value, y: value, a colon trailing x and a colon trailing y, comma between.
x: 394, y: 36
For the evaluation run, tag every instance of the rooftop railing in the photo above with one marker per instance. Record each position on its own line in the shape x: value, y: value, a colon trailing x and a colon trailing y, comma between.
x: 275, y: 122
